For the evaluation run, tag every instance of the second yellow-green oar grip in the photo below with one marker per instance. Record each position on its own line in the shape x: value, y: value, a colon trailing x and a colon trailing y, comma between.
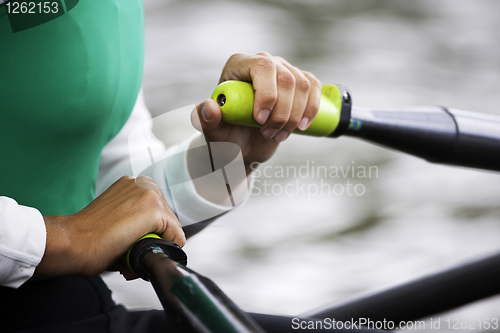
x: 236, y: 102
x: 126, y: 256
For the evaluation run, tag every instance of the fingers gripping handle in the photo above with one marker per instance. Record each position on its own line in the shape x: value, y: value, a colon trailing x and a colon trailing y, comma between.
x: 236, y: 98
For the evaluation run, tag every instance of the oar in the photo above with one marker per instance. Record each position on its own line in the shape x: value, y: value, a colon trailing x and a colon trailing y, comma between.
x: 424, y: 297
x: 192, y: 302
x: 437, y: 134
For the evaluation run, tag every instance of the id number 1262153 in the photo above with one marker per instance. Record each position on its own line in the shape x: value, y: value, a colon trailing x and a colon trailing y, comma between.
x: 44, y: 7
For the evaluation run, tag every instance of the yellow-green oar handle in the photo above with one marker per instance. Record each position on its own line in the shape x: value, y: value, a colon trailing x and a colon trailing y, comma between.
x: 152, y: 242
x: 236, y: 101
x: 126, y: 256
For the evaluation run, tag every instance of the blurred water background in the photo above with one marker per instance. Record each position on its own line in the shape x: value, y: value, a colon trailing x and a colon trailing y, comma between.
x: 291, y: 253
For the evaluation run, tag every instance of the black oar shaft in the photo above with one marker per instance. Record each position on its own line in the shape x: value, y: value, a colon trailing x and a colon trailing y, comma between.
x: 436, y: 134
x: 425, y: 297
x: 192, y: 302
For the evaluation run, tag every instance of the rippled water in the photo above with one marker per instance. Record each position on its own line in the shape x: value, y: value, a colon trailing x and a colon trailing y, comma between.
x: 292, y: 252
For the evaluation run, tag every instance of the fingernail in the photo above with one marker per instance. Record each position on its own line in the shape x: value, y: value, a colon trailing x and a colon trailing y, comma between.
x: 281, y: 136
x: 262, y: 116
x: 206, y: 113
x: 269, y: 133
x: 303, y: 123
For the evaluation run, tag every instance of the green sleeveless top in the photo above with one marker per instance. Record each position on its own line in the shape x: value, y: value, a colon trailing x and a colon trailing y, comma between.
x: 68, y: 83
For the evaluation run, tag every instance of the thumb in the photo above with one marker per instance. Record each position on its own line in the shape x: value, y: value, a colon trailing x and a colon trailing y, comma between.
x: 210, y: 114
x: 209, y: 117
x: 206, y: 116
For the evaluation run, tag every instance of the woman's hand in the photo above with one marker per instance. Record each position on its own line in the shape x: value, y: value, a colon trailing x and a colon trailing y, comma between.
x: 286, y: 98
x: 94, y: 239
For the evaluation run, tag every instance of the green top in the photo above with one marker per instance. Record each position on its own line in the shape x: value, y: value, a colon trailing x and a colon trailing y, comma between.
x: 67, y: 86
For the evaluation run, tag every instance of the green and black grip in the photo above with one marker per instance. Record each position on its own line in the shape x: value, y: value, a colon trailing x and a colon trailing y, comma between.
x: 236, y: 98
x: 192, y: 302
x: 152, y: 242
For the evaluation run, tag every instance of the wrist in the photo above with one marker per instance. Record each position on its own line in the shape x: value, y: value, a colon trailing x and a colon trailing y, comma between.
x: 59, y: 257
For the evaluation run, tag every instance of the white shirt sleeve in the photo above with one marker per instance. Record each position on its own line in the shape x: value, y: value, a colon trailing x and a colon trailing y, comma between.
x: 22, y: 242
